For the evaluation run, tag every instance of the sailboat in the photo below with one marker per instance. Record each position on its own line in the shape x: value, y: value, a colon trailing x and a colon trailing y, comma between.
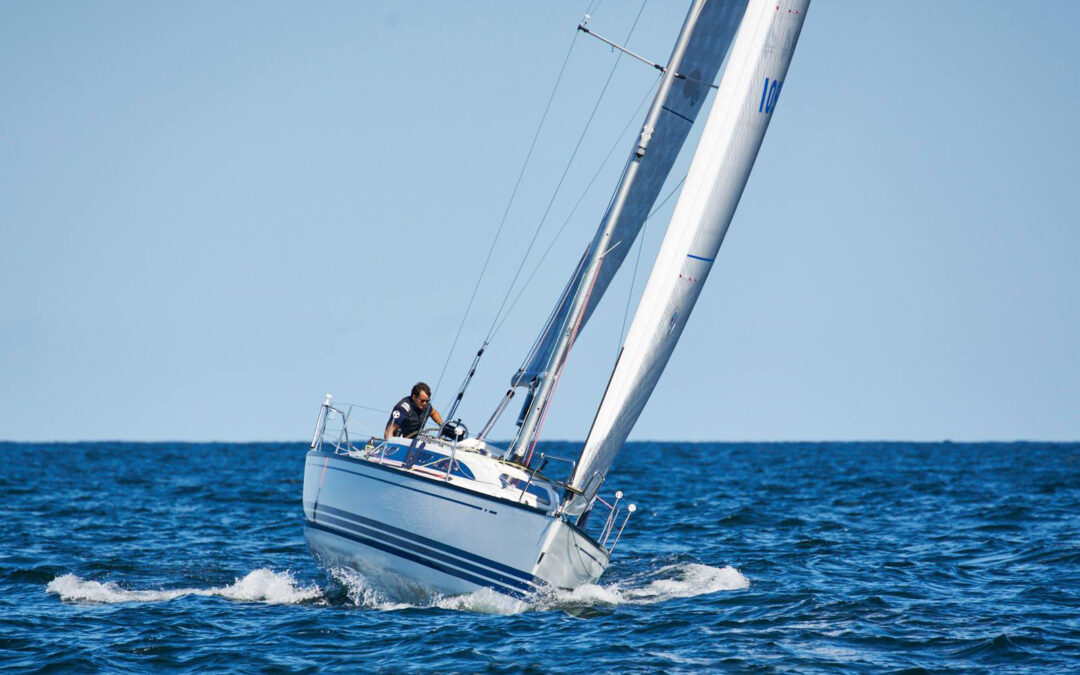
x: 446, y: 513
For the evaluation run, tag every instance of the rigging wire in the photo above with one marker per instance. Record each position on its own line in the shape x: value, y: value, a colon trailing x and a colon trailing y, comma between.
x: 506, y: 211
x: 495, y: 322
x: 562, y: 178
x: 618, y: 142
x: 386, y: 411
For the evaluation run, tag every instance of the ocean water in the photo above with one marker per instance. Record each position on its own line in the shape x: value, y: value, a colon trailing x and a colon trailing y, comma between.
x: 742, y: 557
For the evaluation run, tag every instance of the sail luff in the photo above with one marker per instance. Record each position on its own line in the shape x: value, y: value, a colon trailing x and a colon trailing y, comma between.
x: 718, y: 173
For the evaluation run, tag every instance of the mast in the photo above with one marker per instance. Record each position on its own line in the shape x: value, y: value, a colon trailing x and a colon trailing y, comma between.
x: 751, y: 84
x: 540, y: 397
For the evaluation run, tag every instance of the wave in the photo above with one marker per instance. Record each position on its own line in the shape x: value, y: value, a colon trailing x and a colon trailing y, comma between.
x: 262, y: 585
x: 388, y: 594
x: 359, y: 591
x: 681, y: 580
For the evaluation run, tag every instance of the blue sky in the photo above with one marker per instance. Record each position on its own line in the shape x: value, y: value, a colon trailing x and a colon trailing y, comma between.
x: 213, y: 214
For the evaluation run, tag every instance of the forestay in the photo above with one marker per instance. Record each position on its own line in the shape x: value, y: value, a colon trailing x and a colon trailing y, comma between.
x: 736, y: 125
x: 712, y: 35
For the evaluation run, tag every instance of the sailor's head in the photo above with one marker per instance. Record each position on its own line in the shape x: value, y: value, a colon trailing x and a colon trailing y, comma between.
x: 421, y: 395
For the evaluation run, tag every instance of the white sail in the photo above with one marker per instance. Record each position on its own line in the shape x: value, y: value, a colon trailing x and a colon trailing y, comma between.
x: 751, y: 83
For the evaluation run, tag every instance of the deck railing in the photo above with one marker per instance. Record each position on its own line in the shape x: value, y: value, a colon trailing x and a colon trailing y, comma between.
x: 332, y: 427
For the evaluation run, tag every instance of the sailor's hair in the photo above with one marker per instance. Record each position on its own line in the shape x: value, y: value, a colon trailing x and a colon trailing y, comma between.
x: 421, y: 387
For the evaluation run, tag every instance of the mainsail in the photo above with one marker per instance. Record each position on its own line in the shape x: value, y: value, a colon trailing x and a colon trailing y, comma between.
x: 707, y: 34
x: 736, y: 125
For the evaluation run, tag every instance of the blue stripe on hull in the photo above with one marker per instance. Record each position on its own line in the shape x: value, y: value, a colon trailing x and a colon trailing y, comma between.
x: 423, y: 551
x: 430, y: 543
x: 406, y: 555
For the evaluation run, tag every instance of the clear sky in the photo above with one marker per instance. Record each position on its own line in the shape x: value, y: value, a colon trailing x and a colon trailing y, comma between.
x: 212, y: 214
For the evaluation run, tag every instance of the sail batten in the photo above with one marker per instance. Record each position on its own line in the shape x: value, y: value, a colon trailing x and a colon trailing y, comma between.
x: 736, y: 126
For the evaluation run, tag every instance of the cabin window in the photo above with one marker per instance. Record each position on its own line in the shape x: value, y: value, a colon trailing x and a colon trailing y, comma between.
x: 396, y: 452
x: 540, y: 493
x: 463, y: 471
x: 460, y: 470
x: 426, y: 459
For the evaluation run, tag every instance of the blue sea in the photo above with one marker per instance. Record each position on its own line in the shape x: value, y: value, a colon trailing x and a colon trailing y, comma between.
x: 742, y: 557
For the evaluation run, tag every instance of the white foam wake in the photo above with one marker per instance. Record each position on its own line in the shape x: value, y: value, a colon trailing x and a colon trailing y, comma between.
x: 485, y: 601
x: 687, y: 580
x: 362, y: 592
x: 682, y: 580
x: 262, y: 585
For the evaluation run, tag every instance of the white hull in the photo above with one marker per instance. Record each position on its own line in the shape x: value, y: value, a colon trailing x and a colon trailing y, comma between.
x: 413, y: 535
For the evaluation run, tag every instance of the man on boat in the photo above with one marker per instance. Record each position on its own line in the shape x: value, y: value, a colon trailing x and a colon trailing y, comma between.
x: 411, y: 412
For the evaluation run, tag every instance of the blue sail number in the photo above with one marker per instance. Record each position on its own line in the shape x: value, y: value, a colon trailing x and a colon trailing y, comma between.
x: 769, y: 94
